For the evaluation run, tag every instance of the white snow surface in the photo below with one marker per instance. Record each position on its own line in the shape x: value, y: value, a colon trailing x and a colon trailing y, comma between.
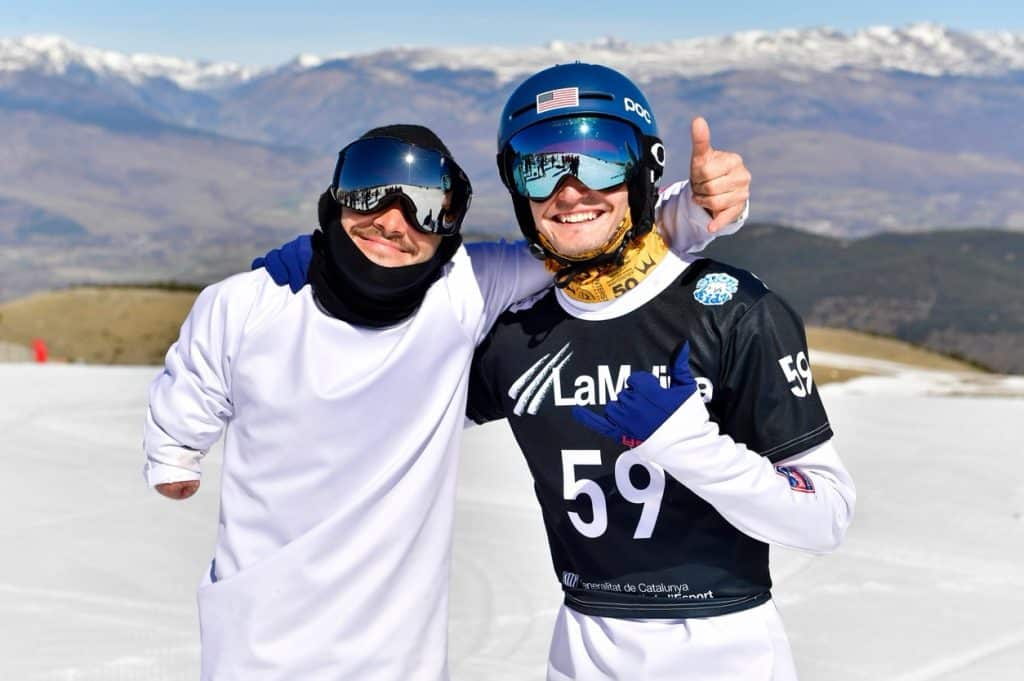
x: 99, y: 572
x: 923, y: 48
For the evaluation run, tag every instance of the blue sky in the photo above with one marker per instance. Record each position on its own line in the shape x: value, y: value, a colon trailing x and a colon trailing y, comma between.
x: 263, y: 33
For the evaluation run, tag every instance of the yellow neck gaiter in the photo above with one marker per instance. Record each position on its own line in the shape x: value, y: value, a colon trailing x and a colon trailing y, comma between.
x: 610, y: 281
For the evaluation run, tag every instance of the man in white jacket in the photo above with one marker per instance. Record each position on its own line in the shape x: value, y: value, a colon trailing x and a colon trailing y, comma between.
x: 342, y: 409
x: 665, y: 406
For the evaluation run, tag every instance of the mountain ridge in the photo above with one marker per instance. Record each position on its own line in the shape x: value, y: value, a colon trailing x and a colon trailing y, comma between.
x: 925, y: 48
x: 193, y: 182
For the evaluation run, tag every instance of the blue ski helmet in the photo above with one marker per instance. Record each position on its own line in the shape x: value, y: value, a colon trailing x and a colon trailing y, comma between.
x: 584, y: 90
x: 601, y: 91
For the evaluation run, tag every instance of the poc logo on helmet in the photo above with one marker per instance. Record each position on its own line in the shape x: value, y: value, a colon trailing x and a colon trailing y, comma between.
x: 637, y: 108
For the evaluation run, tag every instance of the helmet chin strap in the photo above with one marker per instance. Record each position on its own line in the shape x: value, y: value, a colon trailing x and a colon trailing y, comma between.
x: 609, y: 246
x: 613, y: 269
x: 569, y: 267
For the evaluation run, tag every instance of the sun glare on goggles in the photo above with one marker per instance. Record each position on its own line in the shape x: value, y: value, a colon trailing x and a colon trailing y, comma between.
x: 600, y: 152
x: 432, y: 190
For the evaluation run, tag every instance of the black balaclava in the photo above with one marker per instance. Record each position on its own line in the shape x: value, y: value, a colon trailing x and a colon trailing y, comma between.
x: 350, y: 286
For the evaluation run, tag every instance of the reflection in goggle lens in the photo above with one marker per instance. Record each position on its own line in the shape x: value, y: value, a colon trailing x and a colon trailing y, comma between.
x: 433, y: 191
x: 600, y: 152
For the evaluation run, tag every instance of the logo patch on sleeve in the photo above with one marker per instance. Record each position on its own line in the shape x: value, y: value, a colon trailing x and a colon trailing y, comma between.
x: 715, y: 289
x: 798, y: 480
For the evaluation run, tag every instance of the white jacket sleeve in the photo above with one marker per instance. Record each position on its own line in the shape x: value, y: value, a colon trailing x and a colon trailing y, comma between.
x: 508, y: 272
x: 505, y: 272
x: 684, y: 224
x: 807, y: 505
x: 190, y: 401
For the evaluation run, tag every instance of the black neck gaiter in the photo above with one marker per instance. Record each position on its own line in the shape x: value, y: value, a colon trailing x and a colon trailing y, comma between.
x: 354, y: 289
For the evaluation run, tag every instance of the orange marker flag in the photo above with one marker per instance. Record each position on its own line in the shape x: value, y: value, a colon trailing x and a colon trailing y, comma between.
x: 42, y: 354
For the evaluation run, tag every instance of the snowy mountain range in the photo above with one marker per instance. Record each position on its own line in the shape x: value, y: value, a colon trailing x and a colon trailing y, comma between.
x: 54, y: 55
x: 923, y: 48
x: 926, y: 49
x: 196, y: 167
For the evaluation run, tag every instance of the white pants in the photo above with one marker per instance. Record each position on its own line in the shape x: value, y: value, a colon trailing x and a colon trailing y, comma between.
x: 749, y: 645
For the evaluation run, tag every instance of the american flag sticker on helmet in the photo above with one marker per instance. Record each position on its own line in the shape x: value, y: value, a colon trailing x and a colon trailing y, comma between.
x: 558, y: 99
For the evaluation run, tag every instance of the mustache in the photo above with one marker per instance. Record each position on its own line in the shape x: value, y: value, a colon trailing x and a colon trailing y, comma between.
x: 398, y: 240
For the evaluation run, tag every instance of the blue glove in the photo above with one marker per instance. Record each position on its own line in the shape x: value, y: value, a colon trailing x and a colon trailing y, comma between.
x: 644, y: 404
x: 289, y: 264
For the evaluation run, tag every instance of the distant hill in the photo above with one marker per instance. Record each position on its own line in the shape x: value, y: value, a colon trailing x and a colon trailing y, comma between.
x: 957, y: 292
x: 99, y: 325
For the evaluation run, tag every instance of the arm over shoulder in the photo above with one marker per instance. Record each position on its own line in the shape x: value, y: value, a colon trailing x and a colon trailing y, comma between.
x: 505, y: 272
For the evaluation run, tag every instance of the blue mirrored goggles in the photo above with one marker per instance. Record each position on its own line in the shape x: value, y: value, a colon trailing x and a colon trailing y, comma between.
x: 432, y: 190
x: 599, y: 152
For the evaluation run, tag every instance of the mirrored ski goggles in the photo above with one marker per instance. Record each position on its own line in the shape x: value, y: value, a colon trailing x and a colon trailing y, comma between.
x: 600, y: 152
x: 433, y: 191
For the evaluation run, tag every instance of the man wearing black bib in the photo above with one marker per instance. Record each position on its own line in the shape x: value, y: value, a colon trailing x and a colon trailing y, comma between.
x: 665, y: 404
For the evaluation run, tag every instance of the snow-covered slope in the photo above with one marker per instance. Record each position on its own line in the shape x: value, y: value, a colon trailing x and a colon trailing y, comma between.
x: 922, y: 48
x: 99, y: 577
